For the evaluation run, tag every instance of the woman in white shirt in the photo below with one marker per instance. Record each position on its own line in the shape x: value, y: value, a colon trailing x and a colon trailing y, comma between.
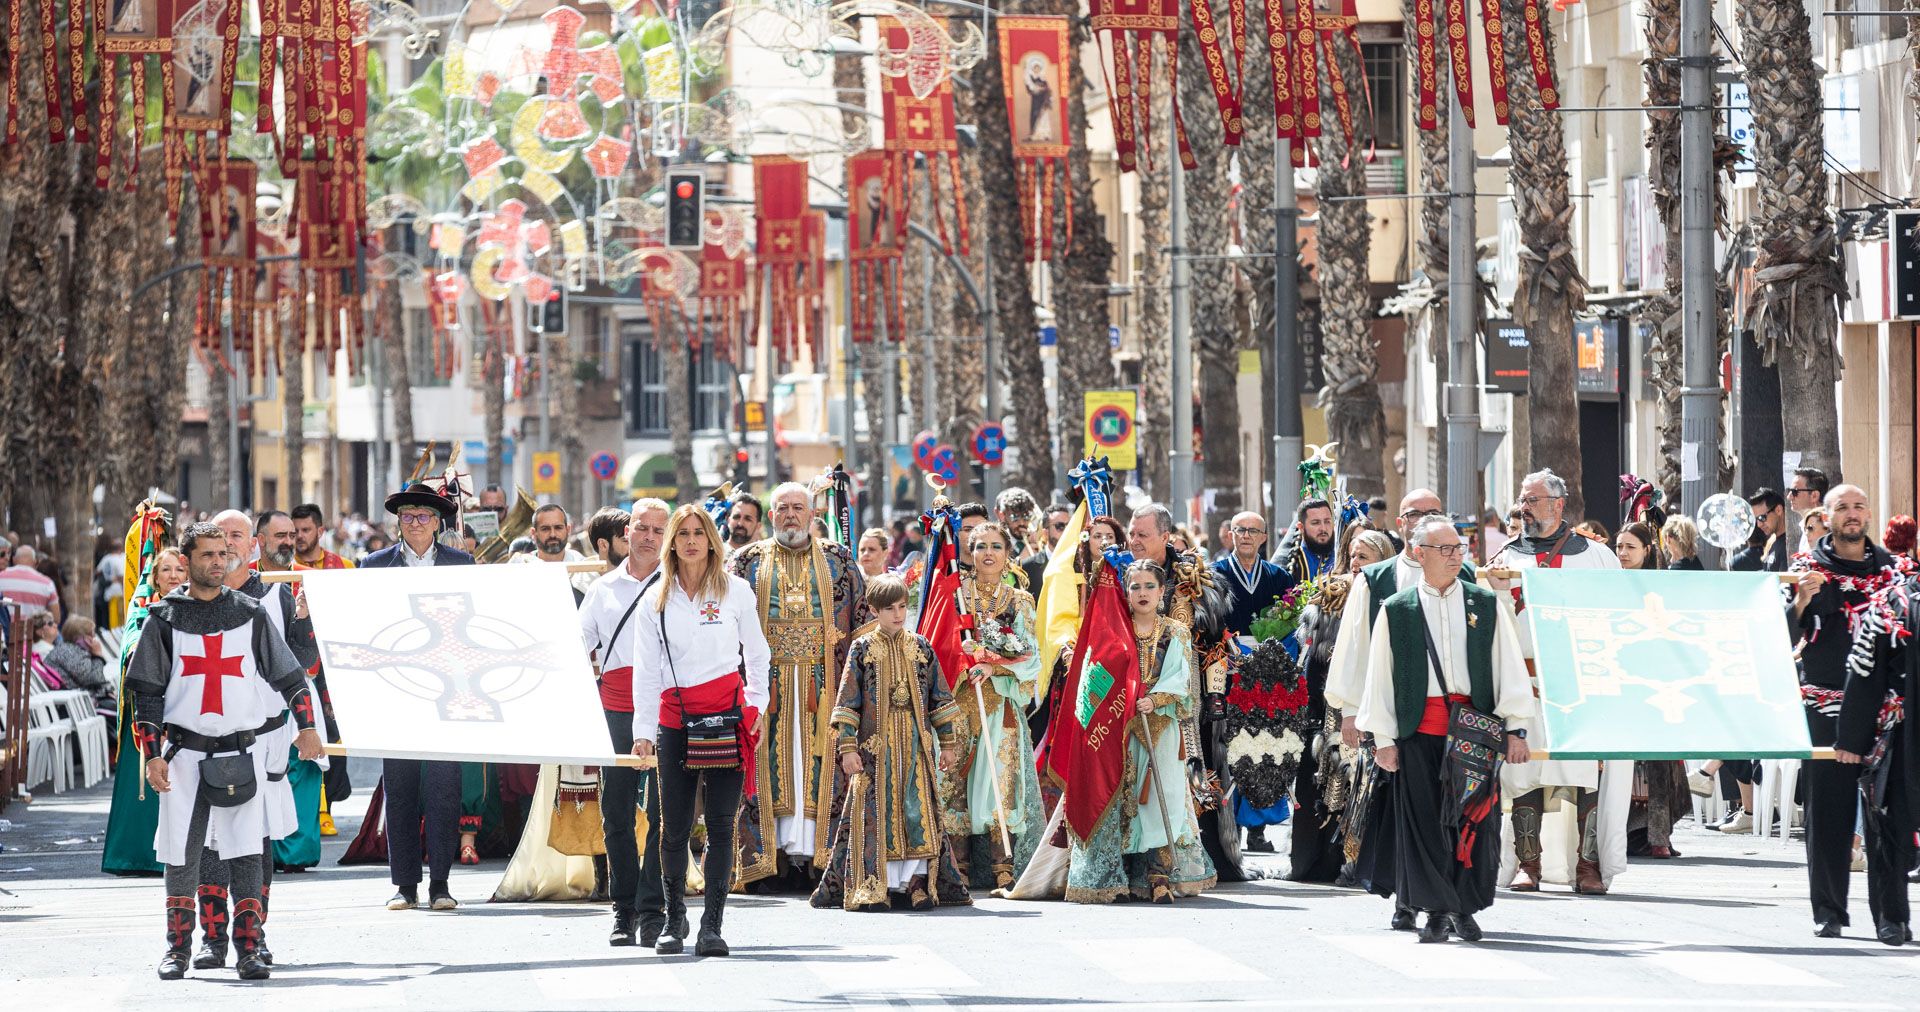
x: 698, y: 651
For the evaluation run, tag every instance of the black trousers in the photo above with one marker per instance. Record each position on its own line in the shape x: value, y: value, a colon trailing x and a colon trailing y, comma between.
x: 1889, y: 843
x: 635, y: 883
x: 1832, y: 809
x: 1427, y: 874
x: 678, y: 786
x: 418, y: 788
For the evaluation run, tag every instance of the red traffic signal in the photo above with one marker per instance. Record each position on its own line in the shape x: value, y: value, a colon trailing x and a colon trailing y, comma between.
x: 740, y: 455
x: 684, y: 189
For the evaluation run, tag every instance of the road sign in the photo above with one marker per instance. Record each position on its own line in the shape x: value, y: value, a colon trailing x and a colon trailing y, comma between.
x: 546, y: 473
x: 989, y: 444
x: 923, y: 445
x: 756, y: 414
x: 944, y: 462
x: 1110, y: 428
x: 604, y: 466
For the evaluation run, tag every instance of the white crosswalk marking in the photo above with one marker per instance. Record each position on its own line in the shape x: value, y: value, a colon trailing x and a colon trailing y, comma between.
x: 1719, y: 966
x: 1453, y: 960
x: 871, y: 968
x: 1175, y: 960
x: 632, y: 981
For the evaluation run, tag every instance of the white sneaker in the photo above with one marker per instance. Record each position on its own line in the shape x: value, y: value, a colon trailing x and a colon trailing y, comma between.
x: 1740, y: 823
x: 1859, y: 860
x: 1700, y: 784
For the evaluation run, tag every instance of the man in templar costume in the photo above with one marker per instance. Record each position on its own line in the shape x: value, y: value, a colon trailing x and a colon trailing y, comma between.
x: 812, y: 599
x: 1601, y: 796
x: 202, y: 721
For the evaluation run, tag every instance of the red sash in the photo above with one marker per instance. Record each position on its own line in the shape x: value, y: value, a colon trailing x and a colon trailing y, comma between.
x: 616, y: 690
x: 711, y: 697
x: 1433, y: 720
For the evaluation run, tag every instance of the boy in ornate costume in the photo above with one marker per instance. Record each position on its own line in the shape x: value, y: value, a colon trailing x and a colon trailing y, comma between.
x: 892, y: 703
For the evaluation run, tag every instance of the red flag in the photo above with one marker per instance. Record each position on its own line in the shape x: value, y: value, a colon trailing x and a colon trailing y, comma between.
x: 1102, y: 684
x: 940, y: 619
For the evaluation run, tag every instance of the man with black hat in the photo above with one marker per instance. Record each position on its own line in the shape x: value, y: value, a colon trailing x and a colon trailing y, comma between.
x: 422, y: 512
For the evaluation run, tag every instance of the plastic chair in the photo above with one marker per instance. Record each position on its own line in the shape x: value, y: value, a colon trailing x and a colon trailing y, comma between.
x: 1775, y: 789
x: 49, y: 736
x: 91, y: 739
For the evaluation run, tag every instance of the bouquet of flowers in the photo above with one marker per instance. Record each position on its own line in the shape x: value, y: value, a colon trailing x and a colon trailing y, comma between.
x: 1283, y: 616
x: 996, y: 640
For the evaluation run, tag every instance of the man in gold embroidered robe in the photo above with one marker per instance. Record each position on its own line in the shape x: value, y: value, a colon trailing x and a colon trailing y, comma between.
x: 812, y: 599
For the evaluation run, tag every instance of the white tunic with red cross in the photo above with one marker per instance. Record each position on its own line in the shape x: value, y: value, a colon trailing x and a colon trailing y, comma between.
x: 216, y: 690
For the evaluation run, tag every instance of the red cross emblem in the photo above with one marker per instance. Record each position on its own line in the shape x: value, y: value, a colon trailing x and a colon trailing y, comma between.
x: 214, y: 667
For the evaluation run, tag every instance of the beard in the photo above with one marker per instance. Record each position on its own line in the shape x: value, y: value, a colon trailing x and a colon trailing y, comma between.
x: 282, y: 558
x: 1320, y: 546
x: 793, y: 538
x: 1536, y: 528
x: 1851, y: 537
x: 738, y: 536
x: 553, y: 546
x: 616, y: 558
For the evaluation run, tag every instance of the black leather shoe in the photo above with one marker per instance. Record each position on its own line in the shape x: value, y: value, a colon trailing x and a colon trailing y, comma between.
x: 1466, y: 927
x: 650, y: 931
x: 622, y: 928
x: 673, y: 936
x: 1435, y: 930
x: 1891, y: 933
x: 210, y: 956
x: 1402, y: 920
x: 251, y: 967
x: 1257, y: 842
x: 710, y: 943
x: 1827, y: 929
x: 173, y: 965
x: 265, y: 954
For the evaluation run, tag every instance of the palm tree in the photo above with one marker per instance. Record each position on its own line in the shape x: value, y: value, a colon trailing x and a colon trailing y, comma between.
x: 1429, y: 321
x: 497, y: 324
x: 389, y: 327
x: 1665, y: 362
x: 1551, y: 288
x: 1217, y: 334
x: 1355, y: 418
x: 1154, y: 327
x: 1797, y: 269
x: 677, y: 366
x: 293, y: 397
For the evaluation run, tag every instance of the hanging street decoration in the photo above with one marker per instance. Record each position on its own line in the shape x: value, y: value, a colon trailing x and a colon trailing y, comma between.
x: 1033, y: 64
x: 723, y: 287
x: 874, y: 248
x: 780, y: 212
x: 922, y: 125
x: 228, y: 236
x: 1454, y: 25
x: 1126, y: 30
x: 131, y: 31
x: 802, y: 33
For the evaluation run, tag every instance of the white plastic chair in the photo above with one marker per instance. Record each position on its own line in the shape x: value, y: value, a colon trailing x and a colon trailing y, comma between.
x: 49, y: 737
x: 1775, y: 789
x: 91, y: 739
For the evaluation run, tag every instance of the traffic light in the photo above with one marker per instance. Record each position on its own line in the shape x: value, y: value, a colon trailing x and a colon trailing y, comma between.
x: 1905, y: 253
x: 686, y: 199
x: 549, y: 317
x: 740, y: 458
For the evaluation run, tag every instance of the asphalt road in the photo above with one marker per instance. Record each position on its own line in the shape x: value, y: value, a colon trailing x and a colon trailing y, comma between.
x: 1725, y: 926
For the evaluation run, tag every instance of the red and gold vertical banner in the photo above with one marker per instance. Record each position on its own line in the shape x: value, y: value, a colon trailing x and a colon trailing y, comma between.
x: 1460, y: 53
x: 1033, y: 64
x: 1537, y: 53
x: 1341, y: 29
x: 780, y: 211
x: 1426, y: 67
x: 1213, y: 51
x: 812, y: 285
x: 1490, y: 24
x: 724, y: 295
x: 1126, y: 29
x: 922, y: 126
x: 133, y: 30
x: 1307, y: 86
x: 227, y: 244
x: 874, y: 252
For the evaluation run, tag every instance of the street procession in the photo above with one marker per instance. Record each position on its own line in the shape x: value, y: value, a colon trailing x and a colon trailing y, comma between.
x: 712, y: 504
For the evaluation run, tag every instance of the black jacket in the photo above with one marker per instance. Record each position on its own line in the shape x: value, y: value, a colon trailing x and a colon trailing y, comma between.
x: 391, y: 557
x: 1691, y: 563
x: 1825, y: 622
x: 1881, y: 663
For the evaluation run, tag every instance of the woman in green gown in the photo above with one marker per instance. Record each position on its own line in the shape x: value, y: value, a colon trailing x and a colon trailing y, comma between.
x: 133, y: 818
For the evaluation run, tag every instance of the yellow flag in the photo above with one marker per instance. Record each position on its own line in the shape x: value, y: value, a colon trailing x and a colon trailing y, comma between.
x: 1058, y: 607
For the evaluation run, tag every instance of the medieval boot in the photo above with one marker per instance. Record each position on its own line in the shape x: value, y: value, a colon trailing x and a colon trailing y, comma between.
x: 600, y: 893
x: 1159, y: 875
x: 266, y: 954
x: 1526, y: 878
x: 213, y: 928
x: 1002, y: 867
x: 1586, y: 879
x: 1528, y: 810
x: 247, y: 939
x: 710, y: 943
x: 624, y: 921
x: 673, y: 937
x: 918, y: 895
x: 173, y: 965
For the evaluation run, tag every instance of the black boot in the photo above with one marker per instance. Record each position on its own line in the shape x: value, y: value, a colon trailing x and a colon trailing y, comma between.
x: 600, y: 893
x: 1435, y: 930
x: 247, y: 939
x: 213, y: 928
x: 1466, y: 927
x: 173, y: 965
x: 710, y: 943
x: 623, y: 923
x: 673, y: 936
x: 1402, y: 919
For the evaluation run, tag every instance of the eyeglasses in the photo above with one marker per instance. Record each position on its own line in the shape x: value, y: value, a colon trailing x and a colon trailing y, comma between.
x: 1448, y: 551
x: 1529, y: 502
x: 1800, y: 491
x: 1057, y: 526
x: 419, y: 519
x: 1417, y: 514
x: 1248, y: 531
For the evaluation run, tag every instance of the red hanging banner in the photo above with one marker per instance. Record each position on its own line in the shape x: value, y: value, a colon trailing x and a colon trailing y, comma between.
x: 1537, y: 53
x: 874, y: 249
x: 922, y: 126
x: 134, y: 29
x: 723, y: 293
x: 780, y: 211
x: 1127, y: 29
x: 1033, y: 64
x: 1213, y: 51
x: 1426, y: 67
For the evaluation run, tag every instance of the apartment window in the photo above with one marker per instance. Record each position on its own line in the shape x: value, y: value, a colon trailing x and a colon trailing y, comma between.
x: 422, y: 367
x: 1385, y: 60
x: 710, y: 390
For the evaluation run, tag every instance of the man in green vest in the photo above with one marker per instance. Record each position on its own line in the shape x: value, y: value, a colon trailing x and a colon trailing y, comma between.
x: 1445, y: 642
x: 1347, y: 673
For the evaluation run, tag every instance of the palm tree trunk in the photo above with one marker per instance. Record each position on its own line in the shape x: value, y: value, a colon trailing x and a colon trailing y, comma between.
x: 1665, y: 360
x: 1797, y: 270
x: 493, y: 378
x: 1082, y: 277
x: 566, y: 422
x: 1551, y: 288
x: 293, y: 397
x: 1217, y: 331
x: 1155, y: 326
x: 1429, y: 322
x: 1355, y: 418
x: 390, y: 321
x: 998, y: 219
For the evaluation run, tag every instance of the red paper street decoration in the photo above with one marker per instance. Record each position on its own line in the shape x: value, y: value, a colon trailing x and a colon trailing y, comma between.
x: 874, y: 248
x: 780, y: 216
x: 922, y: 126
x: 724, y: 294
x: 1453, y: 24
x: 1033, y: 66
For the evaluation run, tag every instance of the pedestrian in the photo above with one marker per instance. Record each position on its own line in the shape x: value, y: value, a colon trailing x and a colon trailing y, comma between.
x: 1807, y: 490
x: 1883, y: 687
x: 1768, y: 547
x: 81, y: 659
x: 23, y: 584
x: 1899, y: 536
x: 873, y: 552
x: 1836, y: 578
x: 700, y: 692
x: 199, y: 728
x: 420, y: 787
x: 1681, y: 541
x: 1447, y: 697
x: 308, y: 526
x: 1813, y: 526
x: 1637, y: 547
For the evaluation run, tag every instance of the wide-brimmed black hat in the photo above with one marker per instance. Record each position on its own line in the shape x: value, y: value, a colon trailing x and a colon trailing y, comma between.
x: 423, y: 495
